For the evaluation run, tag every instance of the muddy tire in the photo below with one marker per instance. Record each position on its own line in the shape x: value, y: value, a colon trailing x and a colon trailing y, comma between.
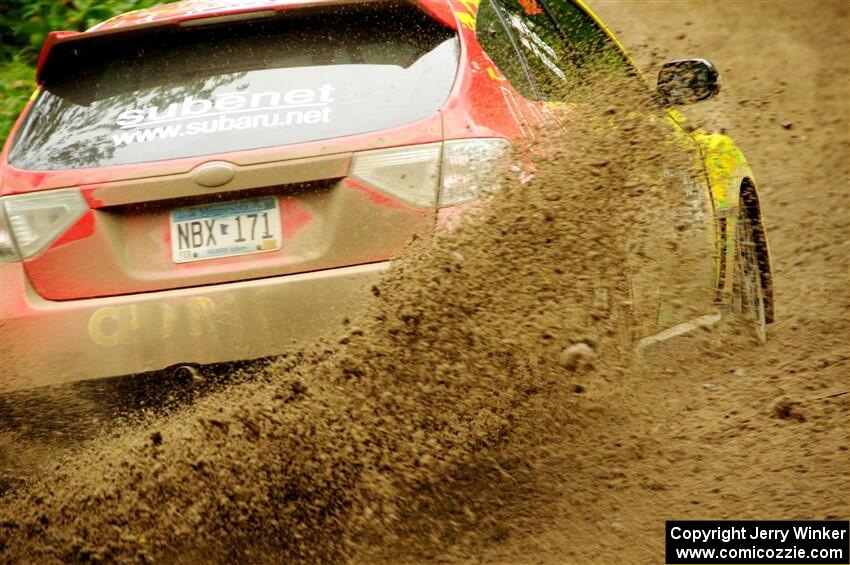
x: 748, y: 293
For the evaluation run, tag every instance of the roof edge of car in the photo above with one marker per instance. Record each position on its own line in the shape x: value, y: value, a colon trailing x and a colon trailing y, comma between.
x: 438, y: 9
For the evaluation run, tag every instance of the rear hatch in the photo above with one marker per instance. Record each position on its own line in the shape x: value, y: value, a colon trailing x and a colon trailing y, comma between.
x: 225, y: 98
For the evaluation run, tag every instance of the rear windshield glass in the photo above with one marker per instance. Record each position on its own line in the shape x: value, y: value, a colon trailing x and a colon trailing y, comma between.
x: 191, y: 91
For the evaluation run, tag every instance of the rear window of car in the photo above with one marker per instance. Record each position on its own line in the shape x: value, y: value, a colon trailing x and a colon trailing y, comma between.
x: 190, y: 91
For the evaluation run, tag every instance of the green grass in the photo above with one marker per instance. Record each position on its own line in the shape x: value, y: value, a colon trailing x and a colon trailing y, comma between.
x: 24, y: 25
x: 16, y: 86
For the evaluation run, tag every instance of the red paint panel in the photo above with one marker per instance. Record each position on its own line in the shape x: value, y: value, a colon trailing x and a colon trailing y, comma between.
x: 90, y: 195
x: 293, y: 217
x: 82, y: 229
x: 374, y: 196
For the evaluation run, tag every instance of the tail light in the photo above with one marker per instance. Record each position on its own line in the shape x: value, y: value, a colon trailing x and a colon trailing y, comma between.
x: 410, y: 173
x: 8, y: 249
x: 31, y: 222
x: 436, y: 174
x: 472, y: 169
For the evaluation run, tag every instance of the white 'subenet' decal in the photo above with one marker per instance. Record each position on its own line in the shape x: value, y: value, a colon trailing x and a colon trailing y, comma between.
x: 225, y: 112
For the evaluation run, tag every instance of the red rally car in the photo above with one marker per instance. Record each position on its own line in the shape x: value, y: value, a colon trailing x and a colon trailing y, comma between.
x: 209, y: 181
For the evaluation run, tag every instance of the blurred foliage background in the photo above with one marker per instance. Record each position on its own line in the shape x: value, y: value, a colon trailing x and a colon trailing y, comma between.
x: 24, y: 24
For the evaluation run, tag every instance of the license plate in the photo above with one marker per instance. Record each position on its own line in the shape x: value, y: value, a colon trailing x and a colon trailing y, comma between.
x: 225, y: 229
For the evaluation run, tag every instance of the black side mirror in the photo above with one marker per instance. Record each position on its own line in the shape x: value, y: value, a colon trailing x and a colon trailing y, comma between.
x: 686, y: 81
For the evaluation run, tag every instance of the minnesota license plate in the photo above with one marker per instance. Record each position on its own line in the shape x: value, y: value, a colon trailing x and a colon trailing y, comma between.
x: 225, y: 229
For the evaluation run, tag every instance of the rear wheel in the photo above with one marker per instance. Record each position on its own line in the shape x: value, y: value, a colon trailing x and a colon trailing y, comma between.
x: 748, y: 292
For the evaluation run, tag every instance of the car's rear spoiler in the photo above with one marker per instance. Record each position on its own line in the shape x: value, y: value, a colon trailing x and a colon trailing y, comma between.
x: 166, y: 15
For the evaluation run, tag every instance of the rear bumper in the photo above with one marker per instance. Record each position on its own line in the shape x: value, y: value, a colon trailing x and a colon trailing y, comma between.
x: 44, y: 342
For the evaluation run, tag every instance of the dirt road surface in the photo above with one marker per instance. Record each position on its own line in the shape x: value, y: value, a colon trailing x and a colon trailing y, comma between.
x: 439, y: 432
